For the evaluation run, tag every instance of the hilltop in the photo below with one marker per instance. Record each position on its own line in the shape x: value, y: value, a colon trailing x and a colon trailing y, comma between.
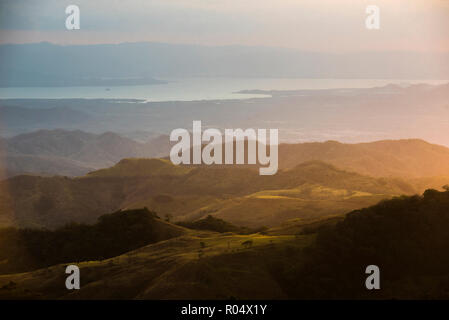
x: 136, y: 167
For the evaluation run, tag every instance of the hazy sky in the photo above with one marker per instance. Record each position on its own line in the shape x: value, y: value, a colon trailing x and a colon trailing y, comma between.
x: 313, y: 25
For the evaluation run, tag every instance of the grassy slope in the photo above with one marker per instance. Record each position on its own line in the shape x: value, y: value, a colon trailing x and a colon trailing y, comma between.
x: 270, y: 207
x: 170, y: 269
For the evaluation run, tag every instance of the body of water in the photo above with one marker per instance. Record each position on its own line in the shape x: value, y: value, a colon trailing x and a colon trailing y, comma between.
x: 189, y: 89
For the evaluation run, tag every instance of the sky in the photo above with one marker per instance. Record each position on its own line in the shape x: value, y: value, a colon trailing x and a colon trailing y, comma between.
x: 324, y: 25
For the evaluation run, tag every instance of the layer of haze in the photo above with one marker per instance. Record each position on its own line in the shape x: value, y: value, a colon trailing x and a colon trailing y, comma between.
x: 325, y: 25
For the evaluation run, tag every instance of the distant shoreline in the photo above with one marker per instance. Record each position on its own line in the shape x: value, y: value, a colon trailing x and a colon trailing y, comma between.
x: 198, y: 88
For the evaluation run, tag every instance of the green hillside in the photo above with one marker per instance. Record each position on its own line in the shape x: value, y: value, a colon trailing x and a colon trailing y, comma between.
x: 198, y: 265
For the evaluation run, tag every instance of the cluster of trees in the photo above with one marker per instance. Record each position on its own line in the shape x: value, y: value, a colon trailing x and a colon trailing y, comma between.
x: 113, y: 234
x: 211, y: 223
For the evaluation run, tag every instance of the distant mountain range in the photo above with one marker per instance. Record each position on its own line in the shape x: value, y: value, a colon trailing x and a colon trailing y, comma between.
x: 72, y: 153
x: 46, y: 64
x: 75, y: 153
x: 13, y: 116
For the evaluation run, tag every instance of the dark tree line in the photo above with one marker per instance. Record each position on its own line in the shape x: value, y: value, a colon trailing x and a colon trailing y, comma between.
x: 113, y: 234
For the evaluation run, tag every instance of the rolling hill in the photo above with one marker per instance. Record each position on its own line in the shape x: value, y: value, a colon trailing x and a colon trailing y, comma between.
x: 197, y: 265
x: 186, y: 193
x: 75, y: 153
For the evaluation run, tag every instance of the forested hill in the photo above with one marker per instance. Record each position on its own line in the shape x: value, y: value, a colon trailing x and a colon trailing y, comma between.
x: 406, y: 237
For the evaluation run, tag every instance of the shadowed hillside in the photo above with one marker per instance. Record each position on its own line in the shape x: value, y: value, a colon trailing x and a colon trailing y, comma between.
x: 405, y: 237
x: 112, y: 235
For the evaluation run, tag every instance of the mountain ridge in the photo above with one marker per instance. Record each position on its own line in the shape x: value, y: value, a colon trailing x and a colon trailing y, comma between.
x: 40, y: 64
x: 411, y: 158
